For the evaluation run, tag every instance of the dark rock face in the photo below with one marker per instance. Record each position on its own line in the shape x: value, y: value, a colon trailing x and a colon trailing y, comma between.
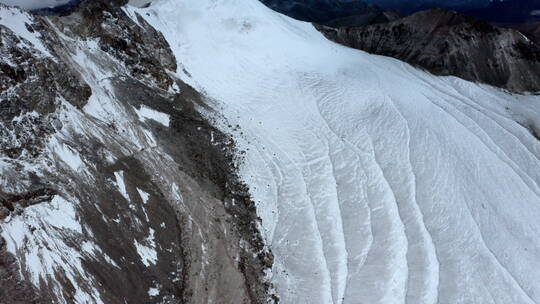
x: 531, y: 30
x: 321, y: 11
x: 72, y: 6
x: 365, y: 19
x: 99, y: 202
x: 508, y: 11
x: 447, y: 43
x: 500, y: 11
x: 140, y: 51
x: 22, y: 73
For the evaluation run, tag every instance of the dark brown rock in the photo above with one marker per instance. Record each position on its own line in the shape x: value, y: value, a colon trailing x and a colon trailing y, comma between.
x: 447, y: 43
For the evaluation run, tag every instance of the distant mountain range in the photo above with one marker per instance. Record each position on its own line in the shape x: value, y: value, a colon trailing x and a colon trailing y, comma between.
x: 508, y: 11
x: 326, y: 11
x: 449, y: 43
x: 322, y: 11
x: 60, y: 9
x: 69, y: 6
x: 35, y: 4
x: 412, y: 6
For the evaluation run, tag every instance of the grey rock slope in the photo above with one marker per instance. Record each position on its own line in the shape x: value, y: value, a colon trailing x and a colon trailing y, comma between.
x: 448, y: 43
x: 531, y: 30
x: 116, y: 184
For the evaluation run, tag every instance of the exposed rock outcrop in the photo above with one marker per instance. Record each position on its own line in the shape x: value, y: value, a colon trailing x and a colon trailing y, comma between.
x: 117, y: 186
x: 531, y: 30
x: 448, y: 43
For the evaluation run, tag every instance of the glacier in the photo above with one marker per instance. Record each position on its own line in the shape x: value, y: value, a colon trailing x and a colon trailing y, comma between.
x: 376, y: 182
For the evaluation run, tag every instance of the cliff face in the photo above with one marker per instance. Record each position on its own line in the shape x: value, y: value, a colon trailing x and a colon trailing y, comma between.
x: 447, y: 43
x: 116, y: 185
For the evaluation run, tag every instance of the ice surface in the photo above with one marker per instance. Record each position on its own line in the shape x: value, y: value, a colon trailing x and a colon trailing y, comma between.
x: 376, y: 182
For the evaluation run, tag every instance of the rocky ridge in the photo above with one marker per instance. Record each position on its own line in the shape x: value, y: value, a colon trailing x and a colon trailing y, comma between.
x: 447, y: 43
x: 531, y: 30
x: 118, y: 183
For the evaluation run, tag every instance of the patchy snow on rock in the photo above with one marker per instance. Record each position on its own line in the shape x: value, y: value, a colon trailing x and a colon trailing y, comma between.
x: 67, y: 155
x: 150, y: 138
x: 145, y: 113
x: 174, y: 88
x: 148, y: 255
x: 153, y: 292
x: 40, y: 238
x: 144, y: 196
x: 120, y: 183
x: 148, y: 252
x: 17, y: 21
x: 176, y: 195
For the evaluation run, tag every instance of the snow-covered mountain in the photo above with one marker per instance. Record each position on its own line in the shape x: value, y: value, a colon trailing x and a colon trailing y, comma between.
x: 375, y: 182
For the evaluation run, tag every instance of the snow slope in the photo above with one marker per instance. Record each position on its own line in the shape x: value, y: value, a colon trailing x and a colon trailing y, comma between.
x: 376, y: 182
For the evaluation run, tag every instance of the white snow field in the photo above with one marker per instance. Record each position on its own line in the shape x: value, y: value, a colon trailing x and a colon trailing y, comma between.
x: 376, y: 182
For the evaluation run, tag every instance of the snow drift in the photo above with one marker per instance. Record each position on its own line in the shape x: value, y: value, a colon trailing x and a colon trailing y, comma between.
x: 376, y: 182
